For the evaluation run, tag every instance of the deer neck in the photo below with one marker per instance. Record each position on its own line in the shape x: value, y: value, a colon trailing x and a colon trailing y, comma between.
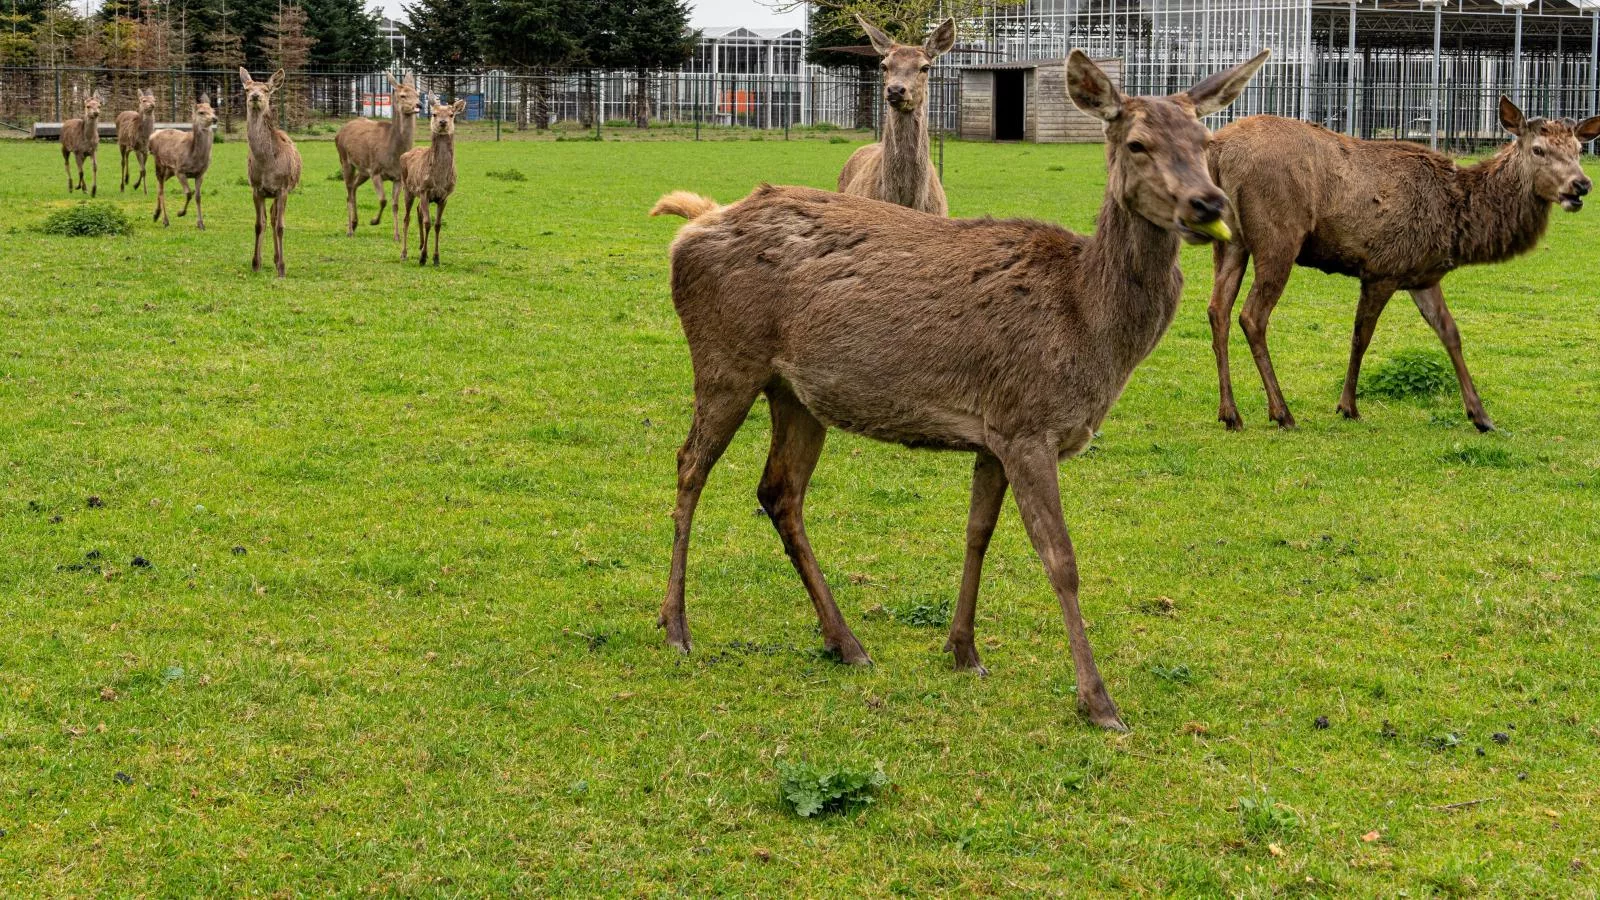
x: 259, y: 134
x: 442, y: 155
x: 199, y: 146
x: 403, y: 133
x: 1130, y: 282
x: 1501, y: 216
x: 147, y: 123
x: 904, y: 168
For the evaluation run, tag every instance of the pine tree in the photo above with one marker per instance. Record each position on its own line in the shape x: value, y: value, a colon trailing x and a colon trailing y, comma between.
x: 287, y: 46
x: 536, y: 35
x: 837, y: 42
x: 442, y: 35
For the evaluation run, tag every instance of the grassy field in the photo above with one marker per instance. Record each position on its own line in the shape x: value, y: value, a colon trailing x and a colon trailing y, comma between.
x: 403, y: 534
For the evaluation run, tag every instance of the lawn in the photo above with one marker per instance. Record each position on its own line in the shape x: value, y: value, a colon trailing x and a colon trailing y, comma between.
x: 348, y: 582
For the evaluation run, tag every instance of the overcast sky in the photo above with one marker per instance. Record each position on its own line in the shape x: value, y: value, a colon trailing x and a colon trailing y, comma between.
x: 707, y: 12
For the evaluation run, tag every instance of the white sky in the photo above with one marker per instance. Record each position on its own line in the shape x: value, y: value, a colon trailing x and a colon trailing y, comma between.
x: 706, y: 12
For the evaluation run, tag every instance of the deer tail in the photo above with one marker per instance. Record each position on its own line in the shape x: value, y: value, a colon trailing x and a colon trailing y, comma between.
x: 683, y: 203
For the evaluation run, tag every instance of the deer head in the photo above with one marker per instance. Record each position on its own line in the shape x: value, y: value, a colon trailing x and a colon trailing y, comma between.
x: 405, y: 100
x: 91, y: 106
x: 905, y: 67
x: 147, y: 101
x: 204, y: 116
x: 258, y: 95
x: 1548, y: 150
x: 1156, y: 146
x: 444, y: 118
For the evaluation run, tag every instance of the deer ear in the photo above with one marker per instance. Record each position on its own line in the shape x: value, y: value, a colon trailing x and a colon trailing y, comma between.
x: 276, y: 80
x: 1217, y: 92
x: 942, y: 39
x: 1091, y: 89
x: 1510, y: 115
x: 459, y: 106
x: 205, y: 100
x: 880, y: 42
x: 1588, y: 129
x: 244, y: 77
x: 392, y: 82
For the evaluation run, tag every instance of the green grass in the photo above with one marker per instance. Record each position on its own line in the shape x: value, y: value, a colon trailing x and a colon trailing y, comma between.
x: 406, y: 532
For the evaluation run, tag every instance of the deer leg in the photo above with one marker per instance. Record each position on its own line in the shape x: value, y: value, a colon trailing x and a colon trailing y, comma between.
x: 719, y: 410
x: 161, y: 195
x: 988, y: 492
x: 394, y: 189
x: 438, y: 224
x: 81, y: 185
x: 183, y: 182
x: 383, y: 199
x: 1272, y: 275
x: 261, y: 222
x: 797, y: 439
x: 279, y: 205
x: 199, y: 194
x: 66, y: 162
x: 422, y: 224
x: 351, y: 182
x: 1430, y: 302
x: 143, y: 157
x: 1228, y: 261
x: 124, y: 169
x: 405, y: 235
x: 94, y: 171
x: 1031, y: 468
x: 1374, y: 297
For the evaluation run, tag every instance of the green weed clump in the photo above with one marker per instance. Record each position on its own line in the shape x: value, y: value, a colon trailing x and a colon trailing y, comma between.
x: 1409, y: 373
x: 506, y: 175
x: 921, y: 614
x: 1263, y: 817
x: 87, y: 220
x: 809, y: 790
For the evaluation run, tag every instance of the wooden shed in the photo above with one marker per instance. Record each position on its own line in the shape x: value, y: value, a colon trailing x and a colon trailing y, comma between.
x: 1027, y: 100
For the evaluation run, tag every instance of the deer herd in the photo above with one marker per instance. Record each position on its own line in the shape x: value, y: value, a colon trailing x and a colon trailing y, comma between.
x: 866, y: 309
x: 368, y: 149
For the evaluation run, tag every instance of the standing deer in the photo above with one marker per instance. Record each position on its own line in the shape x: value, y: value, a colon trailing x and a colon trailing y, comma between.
x: 372, y: 149
x: 1009, y: 340
x: 134, y: 127
x: 898, y: 169
x: 186, y: 155
x: 81, y: 138
x: 1393, y: 214
x: 429, y: 174
x: 274, y: 164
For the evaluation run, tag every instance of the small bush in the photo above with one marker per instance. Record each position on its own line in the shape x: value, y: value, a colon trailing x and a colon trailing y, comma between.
x: 1178, y: 674
x: 808, y: 790
x: 507, y: 175
x: 1409, y: 373
x: 1485, y: 456
x: 922, y: 614
x: 1262, y: 817
x: 87, y: 220
x: 838, y: 139
x: 336, y: 175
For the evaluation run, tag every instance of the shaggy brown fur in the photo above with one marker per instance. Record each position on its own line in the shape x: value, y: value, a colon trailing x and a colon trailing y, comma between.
x: 429, y: 174
x: 81, y: 138
x: 372, y: 149
x: 1393, y: 214
x: 1010, y: 340
x: 274, y: 163
x: 134, y: 127
x: 898, y: 170
x: 186, y: 155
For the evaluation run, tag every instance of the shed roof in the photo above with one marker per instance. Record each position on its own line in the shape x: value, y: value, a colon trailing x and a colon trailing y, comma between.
x: 1019, y: 64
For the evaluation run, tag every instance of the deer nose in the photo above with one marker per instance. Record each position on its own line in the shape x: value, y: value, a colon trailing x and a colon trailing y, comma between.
x: 1206, y: 209
x: 1582, y: 186
x: 895, y: 93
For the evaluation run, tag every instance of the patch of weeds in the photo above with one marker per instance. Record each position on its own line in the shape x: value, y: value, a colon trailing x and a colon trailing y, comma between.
x: 1263, y: 817
x: 1454, y: 879
x: 1409, y: 373
x: 921, y: 614
x: 836, y: 139
x: 1178, y: 674
x: 506, y: 175
x: 241, y: 181
x: 87, y: 220
x: 808, y: 790
x: 1445, y: 740
x: 335, y: 176
x: 1481, y: 455
x: 1055, y: 168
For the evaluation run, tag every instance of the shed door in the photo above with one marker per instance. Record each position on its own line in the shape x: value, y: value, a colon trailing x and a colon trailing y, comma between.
x: 1009, y: 105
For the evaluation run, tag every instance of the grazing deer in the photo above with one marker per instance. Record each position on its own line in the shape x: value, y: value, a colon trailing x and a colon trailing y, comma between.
x: 429, y: 174
x: 898, y: 169
x: 134, y: 127
x: 274, y: 164
x: 1393, y: 214
x: 186, y: 155
x: 372, y: 149
x: 81, y: 138
x: 1007, y: 339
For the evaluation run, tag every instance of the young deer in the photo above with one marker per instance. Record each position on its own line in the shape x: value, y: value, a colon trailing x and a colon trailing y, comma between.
x: 898, y: 170
x: 274, y: 164
x: 429, y: 174
x: 81, y: 138
x: 134, y: 127
x: 372, y: 149
x: 186, y: 155
x: 1393, y: 214
x: 1007, y: 339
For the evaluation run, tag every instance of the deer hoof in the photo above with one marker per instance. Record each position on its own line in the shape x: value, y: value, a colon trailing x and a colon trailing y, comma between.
x: 1349, y: 412
x: 1483, y: 424
x: 1231, y: 421
x: 1104, y: 715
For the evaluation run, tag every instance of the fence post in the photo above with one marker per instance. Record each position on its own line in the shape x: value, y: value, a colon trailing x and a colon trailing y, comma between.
x: 499, y: 109
x: 698, y: 84
x: 174, y: 77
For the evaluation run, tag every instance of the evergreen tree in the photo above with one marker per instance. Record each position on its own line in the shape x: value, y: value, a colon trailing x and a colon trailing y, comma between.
x: 346, y: 35
x: 442, y: 35
x: 642, y: 35
x: 536, y: 35
x: 287, y: 46
x: 837, y: 42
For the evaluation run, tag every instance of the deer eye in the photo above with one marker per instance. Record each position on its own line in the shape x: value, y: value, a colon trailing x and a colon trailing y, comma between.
x: 926, y: 67
x: 1538, y: 151
x: 883, y: 67
x: 1136, y: 147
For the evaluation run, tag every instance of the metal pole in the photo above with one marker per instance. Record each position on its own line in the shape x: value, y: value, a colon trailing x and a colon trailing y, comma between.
x: 1594, y: 56
x: 1433, y: 114
x: 1516, y: 62
x: 1350, y: 77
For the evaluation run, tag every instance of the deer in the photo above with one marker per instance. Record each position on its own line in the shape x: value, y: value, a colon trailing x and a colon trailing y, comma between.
x: 134, y: 127
x: 81, y: 138
x: 186, y: 155
x: 429, y: 174
x: 372, y: 149
x: 273, y: 165
x: 1392, y: 214
x: 1009, y: 340
x: 898, y: 170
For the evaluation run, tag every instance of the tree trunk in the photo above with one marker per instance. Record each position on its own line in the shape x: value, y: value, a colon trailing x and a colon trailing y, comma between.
x: 586, y: 101
x: 541, y: 103
x: 866, y: 86
x: 641, y: 100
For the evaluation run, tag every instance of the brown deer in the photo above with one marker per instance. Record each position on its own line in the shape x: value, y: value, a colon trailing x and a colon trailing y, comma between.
x: 898, y: 169
x: 134, y: 127
x: 372, y: 149
x: 1007, y: 339
x: 274, y: 163
x: 429, y: 174
x: 1393, y: 214
x: 186, y: 155
x: 81, y: 138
